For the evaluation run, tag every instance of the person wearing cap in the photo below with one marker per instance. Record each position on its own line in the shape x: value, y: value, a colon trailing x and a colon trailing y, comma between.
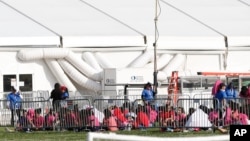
x: 64, y: 96
x: 65, y: 92
x: 148, y: 93
x: 14, y: 100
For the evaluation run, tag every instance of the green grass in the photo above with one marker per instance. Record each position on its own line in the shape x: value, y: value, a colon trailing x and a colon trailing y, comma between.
x: 82, y: 136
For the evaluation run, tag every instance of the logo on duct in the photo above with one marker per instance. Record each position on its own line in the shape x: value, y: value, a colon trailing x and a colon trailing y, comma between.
x: 136, y: 78
x: 110, y: 81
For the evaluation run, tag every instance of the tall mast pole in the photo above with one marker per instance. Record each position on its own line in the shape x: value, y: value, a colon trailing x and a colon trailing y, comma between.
x: 155, y: 48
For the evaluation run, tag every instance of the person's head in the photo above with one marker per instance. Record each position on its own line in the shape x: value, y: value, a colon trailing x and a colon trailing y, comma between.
x: 148, y: 86
x: 63, y: 88
x: 222, y: 86
x: 230, y: 85
x: 180, y: 110
x: 191, y: 110
x: 57, y: 86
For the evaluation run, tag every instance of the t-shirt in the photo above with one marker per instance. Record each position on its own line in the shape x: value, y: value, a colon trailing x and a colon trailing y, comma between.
x: 112, y: 124
x: 147, y: 95
x: 93, y: 121
x: 142, y: 119
x: 14, y: 100
x: 38, y: 121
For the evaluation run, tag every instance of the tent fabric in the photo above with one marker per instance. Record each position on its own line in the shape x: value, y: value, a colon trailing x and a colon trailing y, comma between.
x: 192, y: 24
x: 198, y: 119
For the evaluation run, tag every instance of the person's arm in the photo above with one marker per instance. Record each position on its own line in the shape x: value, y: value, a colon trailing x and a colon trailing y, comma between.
x: 153, y: 93
x: 142, y: 95
x: 224, y: 99
x: 235, y: 93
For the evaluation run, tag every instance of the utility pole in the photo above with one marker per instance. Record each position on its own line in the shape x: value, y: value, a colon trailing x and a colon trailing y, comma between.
x: 155, y: 47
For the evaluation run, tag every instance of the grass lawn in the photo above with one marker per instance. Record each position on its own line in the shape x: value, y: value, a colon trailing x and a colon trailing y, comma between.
x: 82, y: 136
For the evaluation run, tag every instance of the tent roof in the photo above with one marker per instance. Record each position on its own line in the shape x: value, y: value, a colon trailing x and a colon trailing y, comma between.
x: 181, y: 24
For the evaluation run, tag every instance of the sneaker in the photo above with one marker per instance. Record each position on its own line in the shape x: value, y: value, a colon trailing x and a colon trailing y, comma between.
x: 185, y: 131
x: 9, y: 130
x: 28, y: 131
x: 170, y: 130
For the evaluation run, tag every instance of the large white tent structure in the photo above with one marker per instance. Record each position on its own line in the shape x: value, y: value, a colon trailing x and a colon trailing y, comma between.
x: 72, y: 41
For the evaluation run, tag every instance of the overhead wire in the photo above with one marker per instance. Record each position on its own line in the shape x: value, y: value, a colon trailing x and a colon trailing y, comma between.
x: 112, y: 17
x: 35, y: 21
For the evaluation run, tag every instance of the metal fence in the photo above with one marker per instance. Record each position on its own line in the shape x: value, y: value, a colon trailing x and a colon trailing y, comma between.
x: 167, y: 112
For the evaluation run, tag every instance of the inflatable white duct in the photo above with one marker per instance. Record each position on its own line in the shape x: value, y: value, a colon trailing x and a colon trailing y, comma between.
x: 59, y: 74
x: 162, y: 61
x: 91, y: 60
x: 84, y: 67
x: 174, y: 64
x: 79, y: 78
x: 141, y: 60
x: 59, y: 53
x: 103, y: 61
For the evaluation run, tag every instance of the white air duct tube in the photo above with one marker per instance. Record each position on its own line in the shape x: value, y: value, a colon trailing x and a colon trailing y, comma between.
x: 141, y: 60
x: 161, y: 76
x: 84, y: 67
x: 103, y: 61
x: 90, y: 59
x: 59, y: 74
x: 79, y: 78
x: 174, y: 64
x: 59, y: 53
x: 162, y: 61
x: 41, y: 53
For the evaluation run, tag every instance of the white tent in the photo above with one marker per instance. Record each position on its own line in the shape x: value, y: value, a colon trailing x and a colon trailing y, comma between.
x: 113, y: 29
x: 192, y: 24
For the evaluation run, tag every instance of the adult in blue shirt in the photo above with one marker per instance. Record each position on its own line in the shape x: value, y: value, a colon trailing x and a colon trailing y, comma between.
x: 231, y: 92
x: 14, y: 100
x: 221, y: 96
x: 147, y: 94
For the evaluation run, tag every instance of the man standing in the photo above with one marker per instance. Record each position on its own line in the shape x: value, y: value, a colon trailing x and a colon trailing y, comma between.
x: 56, y: 95
x: 148, y: 94
x: 14, y: 100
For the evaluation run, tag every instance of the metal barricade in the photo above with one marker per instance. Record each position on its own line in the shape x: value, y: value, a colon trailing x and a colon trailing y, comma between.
x: 5, y: 113
x: 198, y: 115
x: 152, y: 113
x: 174, y: 98
x: 237, y: 111
x: 31, y: 115
x: 110, y: 109
x: 72, y: 114
x: 42, y: 93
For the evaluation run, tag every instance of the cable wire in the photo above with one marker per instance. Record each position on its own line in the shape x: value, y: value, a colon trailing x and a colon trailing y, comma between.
x: 241, y: 1
x: 35, y: 21
x: 101, y: 11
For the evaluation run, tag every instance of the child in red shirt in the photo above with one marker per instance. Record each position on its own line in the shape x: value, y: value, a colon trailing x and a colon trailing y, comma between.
x: 142, y: 119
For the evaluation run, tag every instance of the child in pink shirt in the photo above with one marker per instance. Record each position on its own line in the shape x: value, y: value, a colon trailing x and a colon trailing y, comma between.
x: 92, y: 120
x: 239, y: 118
x: 110, y: 121
x: 38, y: 121
x: 180, y: 117
x: 213, y: 116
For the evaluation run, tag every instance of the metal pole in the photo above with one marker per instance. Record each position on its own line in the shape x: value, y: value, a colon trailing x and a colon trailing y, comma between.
x: 155, y: 48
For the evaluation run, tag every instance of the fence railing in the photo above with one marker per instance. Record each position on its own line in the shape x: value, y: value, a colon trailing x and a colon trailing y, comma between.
x: 199, y: 112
